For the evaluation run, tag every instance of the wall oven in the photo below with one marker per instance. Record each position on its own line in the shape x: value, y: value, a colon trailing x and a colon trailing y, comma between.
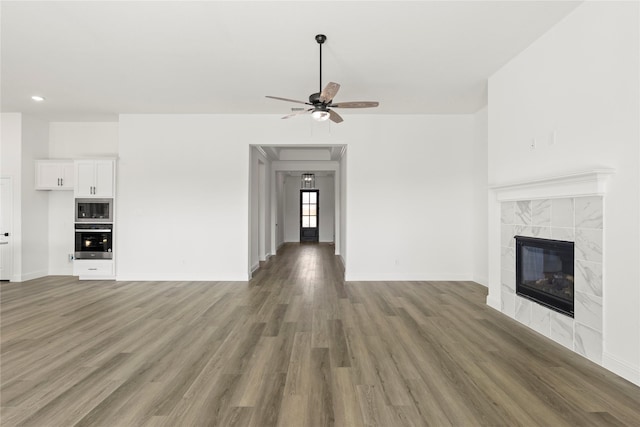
x: 94, y: 241
x: 94, y: 210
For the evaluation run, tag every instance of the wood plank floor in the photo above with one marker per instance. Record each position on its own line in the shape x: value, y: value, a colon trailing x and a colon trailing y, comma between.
x: 295, y: 346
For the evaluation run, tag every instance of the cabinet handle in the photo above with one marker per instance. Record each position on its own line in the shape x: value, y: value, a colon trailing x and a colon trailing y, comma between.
x: 58, y: 182
x: 93, y: 269
x: 61, y: 182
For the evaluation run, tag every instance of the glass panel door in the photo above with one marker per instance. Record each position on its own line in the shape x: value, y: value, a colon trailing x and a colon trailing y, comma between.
x: 309, y: 215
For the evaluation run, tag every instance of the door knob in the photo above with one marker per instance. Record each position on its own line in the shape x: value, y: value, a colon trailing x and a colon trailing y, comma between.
x: 5, y: 234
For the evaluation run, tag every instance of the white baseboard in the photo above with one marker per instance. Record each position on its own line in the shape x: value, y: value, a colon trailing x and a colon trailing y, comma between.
x: 482, y: 280
x: 392, y: 277
x: 61, y: 271
x: 179, y: 278
x: 494, y: 302
x: 266, y: 258
x: 254, y: 267
x: 622, y: 368
x: 29, y: 276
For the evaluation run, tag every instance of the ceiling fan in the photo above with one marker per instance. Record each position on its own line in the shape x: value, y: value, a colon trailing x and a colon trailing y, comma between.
x: 322, y: 102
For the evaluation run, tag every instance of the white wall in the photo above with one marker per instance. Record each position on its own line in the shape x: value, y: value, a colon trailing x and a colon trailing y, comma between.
x: 73, y: 140
x: 254, y: 194
x: 260, y: 209
x: 35, y: 204
x: 291, y: 209
x: 480, y: 172
x: 341, y: 245
x: 182, y: 198
x: 24, y: 139
x: 11, y: 166
x: 279, y: 210
x: 61, y: 232
x: 327, y: 210
x: 188, y: 177
x: 580, y: 80
x: 325, y: 185
x: 410, y: 198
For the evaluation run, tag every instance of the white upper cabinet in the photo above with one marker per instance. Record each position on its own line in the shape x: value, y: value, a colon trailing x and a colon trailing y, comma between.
x: 94, y: 178
x: 54, y: 175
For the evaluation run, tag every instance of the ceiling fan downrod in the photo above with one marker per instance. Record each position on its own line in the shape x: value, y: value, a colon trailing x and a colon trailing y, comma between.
x: 321, y: 38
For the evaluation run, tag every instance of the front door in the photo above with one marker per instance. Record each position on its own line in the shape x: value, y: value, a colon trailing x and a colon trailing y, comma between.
x: 309, y: 209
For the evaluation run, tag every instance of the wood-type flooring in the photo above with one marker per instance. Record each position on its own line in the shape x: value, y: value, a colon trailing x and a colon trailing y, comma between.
x: 295, y: 346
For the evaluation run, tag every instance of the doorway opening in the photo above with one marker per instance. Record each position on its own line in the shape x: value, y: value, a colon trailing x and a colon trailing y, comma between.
x: 309, y: 211
x: 276, y: 203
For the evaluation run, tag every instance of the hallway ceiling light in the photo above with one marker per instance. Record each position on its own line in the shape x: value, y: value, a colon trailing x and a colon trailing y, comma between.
x: 308, y: 180
x: 37, y: 98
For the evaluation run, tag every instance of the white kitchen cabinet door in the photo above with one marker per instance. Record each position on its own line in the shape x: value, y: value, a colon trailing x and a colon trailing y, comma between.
x: 104, y: 179
x: 85, y: 178
x: 68, y: 173
x: 94, y: 178
x: 54, y: 175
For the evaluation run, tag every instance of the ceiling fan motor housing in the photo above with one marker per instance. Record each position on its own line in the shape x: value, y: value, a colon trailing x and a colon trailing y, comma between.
x: 314, y: 98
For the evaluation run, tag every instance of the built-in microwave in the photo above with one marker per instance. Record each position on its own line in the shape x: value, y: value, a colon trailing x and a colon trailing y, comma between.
x: 94, y: 210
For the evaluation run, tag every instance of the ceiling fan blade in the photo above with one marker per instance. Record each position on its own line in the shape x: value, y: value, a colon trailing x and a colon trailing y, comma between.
x: 287, y: 99
x: 329, y: 91
x: 296, y: 113
x: 356, y: 104
x: 334, y: 117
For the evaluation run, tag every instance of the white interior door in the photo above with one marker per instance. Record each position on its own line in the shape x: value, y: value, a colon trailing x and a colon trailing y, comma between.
x: 6, y: 228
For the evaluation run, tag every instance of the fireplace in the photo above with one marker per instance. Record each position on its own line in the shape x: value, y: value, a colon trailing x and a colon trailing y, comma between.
x: 544, y: 272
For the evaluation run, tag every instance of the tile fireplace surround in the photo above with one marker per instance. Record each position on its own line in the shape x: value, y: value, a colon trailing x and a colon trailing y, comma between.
x: 571, y: 208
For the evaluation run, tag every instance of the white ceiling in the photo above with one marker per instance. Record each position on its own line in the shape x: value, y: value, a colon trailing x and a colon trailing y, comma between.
x: 93, y: 60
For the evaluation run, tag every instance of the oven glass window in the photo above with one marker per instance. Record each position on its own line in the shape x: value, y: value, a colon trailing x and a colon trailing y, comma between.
x: 93, y: 241
x: 92, y: 210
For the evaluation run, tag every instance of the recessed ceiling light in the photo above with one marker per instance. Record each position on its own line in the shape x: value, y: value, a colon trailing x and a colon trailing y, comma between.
x: 37, y: 98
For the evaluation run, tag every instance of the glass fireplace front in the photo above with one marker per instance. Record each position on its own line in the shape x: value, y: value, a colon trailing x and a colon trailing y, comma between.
x: 544, y: 272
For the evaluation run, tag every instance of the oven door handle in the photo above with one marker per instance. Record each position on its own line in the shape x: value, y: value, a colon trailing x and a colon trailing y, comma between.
x: 93, y: 230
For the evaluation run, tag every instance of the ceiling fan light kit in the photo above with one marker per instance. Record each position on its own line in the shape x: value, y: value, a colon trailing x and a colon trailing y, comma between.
x: 322, y: 102
x: 320, y: 115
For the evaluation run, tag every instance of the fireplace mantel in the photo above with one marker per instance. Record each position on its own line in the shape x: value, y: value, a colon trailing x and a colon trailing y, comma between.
x: 585, y: 183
